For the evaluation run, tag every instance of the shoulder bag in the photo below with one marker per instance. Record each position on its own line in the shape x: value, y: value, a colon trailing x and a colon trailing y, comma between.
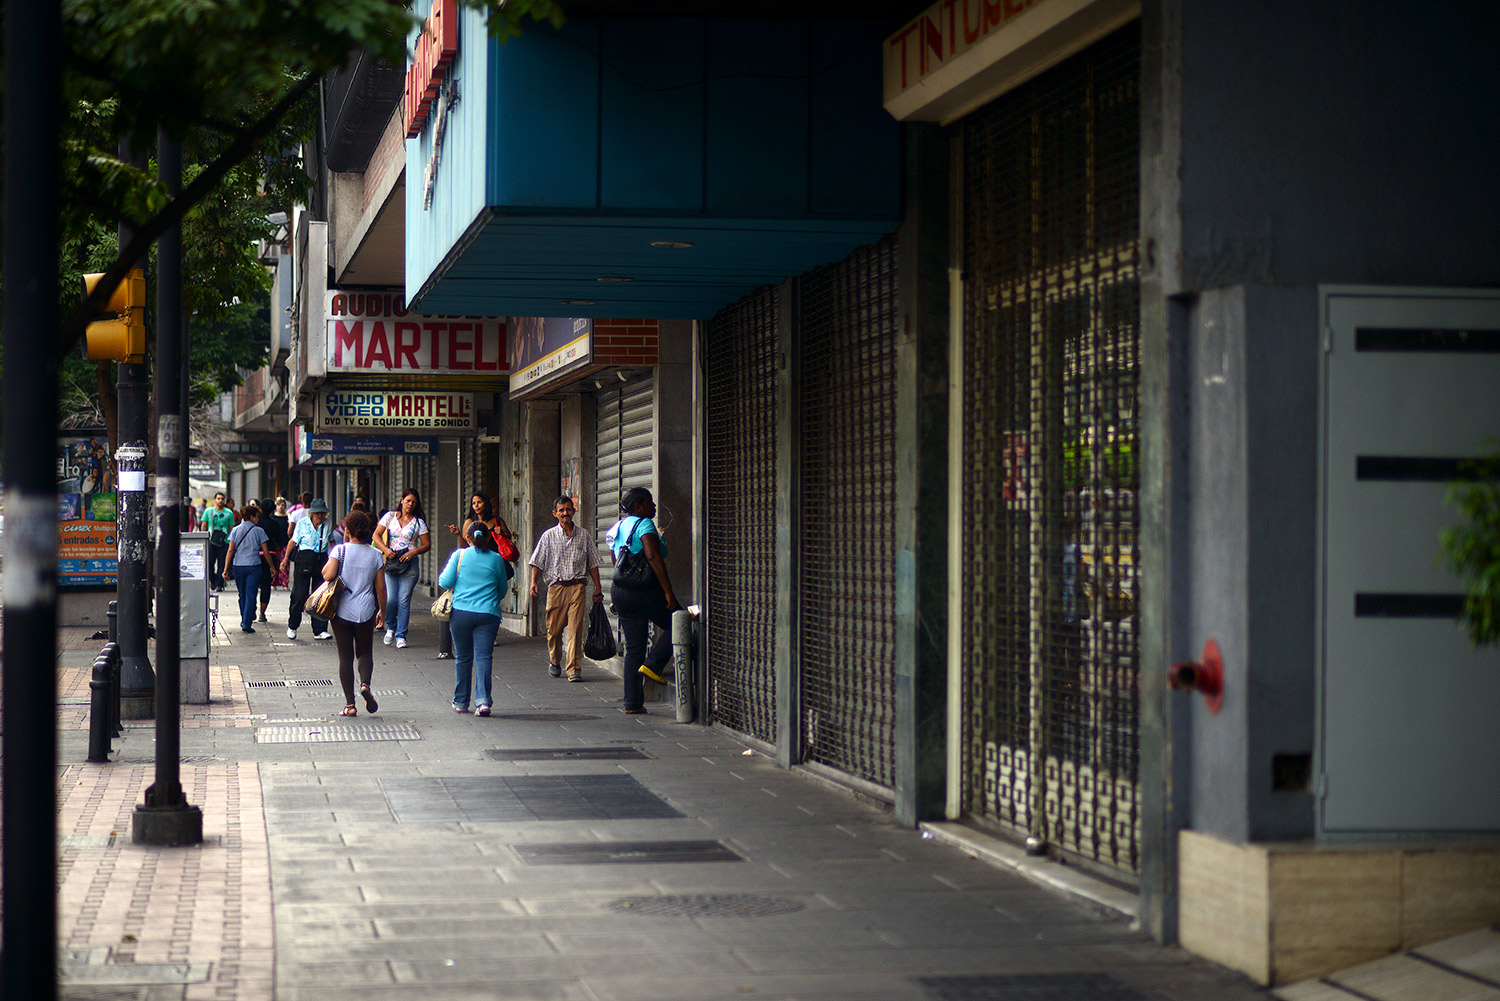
x: 442, y: 607
x: 324, y: 602
x: 394, y: 565
x: 506, y: 548
x: 634, y: 572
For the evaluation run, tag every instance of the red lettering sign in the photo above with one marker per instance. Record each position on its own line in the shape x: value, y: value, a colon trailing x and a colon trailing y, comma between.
x: 436, y: 48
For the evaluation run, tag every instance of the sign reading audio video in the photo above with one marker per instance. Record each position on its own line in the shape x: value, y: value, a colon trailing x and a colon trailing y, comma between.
x: 374, y: 332
x: 351, y: 411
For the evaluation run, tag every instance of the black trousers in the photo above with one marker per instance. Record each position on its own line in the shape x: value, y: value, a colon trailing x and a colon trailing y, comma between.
x: 637, y: 611
x: 303, y: 584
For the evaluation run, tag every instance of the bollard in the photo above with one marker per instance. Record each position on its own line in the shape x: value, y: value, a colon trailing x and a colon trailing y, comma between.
x: 682, y: 661
x: 99, y: 709
x: 112, y: 649
x: 114, y: 621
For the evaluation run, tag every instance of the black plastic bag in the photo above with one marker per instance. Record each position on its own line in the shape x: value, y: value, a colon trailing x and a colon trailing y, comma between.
x: 600, y: 642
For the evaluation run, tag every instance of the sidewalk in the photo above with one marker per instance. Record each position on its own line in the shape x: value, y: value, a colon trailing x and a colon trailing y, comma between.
x: 557, y: 850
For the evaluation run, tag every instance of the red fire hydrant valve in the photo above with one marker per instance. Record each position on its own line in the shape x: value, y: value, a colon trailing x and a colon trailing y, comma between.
x: 1206, y: 676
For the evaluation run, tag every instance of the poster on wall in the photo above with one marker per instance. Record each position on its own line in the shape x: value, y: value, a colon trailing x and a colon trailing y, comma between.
x: 87, y: 546
x: 545, y: 349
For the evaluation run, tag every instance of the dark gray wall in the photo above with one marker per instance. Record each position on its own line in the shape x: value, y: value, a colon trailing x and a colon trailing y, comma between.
x: 1284, y: 145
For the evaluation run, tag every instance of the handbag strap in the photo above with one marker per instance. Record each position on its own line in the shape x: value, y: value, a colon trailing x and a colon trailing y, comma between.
x: 639, y: 521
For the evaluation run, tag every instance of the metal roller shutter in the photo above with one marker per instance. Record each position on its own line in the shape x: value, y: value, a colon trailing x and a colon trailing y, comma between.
x: 846, y: 608
x: 1051, y: 369
x: 742, y: 349
x: 624, y: 454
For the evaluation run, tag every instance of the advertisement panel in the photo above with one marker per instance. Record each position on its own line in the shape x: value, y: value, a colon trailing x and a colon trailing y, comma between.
x: 373, y: 333
x: 87, y: 543
x: 544, y: 349
x: 352, y: 411
x: 371, y: 444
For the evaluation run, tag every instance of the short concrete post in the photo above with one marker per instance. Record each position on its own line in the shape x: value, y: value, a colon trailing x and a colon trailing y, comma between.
x: 682, y: 661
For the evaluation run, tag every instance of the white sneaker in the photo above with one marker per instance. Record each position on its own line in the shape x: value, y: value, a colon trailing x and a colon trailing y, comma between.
x: 400, y: 642
x: 390, y: 634
x: 291, y: 634
x: 322, y: 636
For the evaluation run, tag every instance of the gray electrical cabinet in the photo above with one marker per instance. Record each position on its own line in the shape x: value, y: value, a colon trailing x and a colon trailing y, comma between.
x: 193, y: 614
x: 1409, y: 711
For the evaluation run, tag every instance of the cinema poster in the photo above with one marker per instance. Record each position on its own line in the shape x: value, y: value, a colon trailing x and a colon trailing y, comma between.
x: 87, y: 543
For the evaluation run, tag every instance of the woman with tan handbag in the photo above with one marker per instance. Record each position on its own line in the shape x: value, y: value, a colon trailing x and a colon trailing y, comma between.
x: 361, y: 608
x: 479, y: 579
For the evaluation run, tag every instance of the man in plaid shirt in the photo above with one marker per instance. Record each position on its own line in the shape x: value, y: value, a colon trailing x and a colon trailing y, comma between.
x: 566, y: 557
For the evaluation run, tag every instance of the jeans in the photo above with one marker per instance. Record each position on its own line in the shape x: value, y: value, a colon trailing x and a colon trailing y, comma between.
x: 302, y: 586
x: 473, y: 653
x: 637, y: 610
x: 398, y: 589
x: 247, y: 579
x: 354, y: 640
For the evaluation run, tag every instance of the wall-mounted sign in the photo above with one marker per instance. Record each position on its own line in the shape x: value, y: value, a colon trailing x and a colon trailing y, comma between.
x: 371, y: 444
x: 545, y: 350
x: 423, y: 411
x: 87, y: 544
x: 436, y: 47
x: 373, y: 332
x: 302, y: 454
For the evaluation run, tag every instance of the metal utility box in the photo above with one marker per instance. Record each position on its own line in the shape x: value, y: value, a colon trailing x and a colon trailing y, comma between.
x: 193, y: 612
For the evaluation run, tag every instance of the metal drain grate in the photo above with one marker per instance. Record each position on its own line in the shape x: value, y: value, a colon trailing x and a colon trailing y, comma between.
x: 80, y: 992
x: 334, y: 733
x: 1031, y: 987
x: 546, y: 717
x: 567, y: 753
x: 317, y: 683
x: 626, y: 853
x: 706, y: 905
x: 70, y: 701
x: 482, y: 798
x: 331, y: 693
x: 190, y: 759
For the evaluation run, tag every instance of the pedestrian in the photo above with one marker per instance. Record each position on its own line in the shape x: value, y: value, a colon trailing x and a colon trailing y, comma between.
x: 248, y: 556
x: 218, y: 522
x: 402, y: 536
x: 361, y: 609
x: 566, y: 557
x: 274, y: 524
x: 481, y: 512
x: 636, y: 532
x: 307, y: 552
x: 358, y: 505
x: 298, y: 511
x: 479, y: 578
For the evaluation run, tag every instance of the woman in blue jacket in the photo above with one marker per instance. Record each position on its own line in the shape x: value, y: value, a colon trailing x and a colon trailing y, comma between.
x: 479, y: 578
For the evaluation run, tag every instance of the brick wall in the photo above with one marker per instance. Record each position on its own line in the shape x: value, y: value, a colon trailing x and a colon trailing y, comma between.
x: 625, y: 342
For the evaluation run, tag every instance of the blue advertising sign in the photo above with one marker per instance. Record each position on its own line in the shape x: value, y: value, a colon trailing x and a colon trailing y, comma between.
x: 371, y: 444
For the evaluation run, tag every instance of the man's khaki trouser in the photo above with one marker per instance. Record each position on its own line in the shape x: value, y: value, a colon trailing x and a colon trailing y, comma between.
x: 565, y: 604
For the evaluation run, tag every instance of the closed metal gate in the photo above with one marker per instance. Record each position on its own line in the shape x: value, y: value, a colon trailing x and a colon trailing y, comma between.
x: 742, y: 347
x: 624, y: 456
x: 847, y: 569
x: 1049, y: 527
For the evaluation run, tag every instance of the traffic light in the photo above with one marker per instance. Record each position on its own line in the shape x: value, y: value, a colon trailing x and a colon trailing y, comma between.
x: 120, y: 333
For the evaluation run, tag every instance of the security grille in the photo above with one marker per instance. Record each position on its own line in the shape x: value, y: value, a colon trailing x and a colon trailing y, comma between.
x: 742, y: 368
x: 624, y: 456
x: 846, y: 608
x: 1051, y: 363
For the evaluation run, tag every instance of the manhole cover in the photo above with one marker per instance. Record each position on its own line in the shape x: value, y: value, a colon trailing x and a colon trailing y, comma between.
x: 331, y: 693
x: 478, y: 798
x: 546, y: 717
x: 567, y: 753
x: 1031, y: 987
x: 334, y: 733
x: 705, y: 905
x: 626, y: 853
x: 316, y: 683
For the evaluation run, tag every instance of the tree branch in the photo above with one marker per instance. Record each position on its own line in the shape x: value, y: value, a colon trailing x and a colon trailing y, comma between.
x: 149, y: 232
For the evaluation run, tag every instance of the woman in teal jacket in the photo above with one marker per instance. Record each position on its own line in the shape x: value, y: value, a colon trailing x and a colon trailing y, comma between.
x: 479, y: 578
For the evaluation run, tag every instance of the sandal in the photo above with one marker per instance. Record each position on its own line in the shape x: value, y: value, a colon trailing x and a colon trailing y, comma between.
x: 370, y: 704
x: 349, y: 710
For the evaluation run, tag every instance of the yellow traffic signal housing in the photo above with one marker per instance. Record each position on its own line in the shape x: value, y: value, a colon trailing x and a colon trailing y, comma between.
x: 121, y: 336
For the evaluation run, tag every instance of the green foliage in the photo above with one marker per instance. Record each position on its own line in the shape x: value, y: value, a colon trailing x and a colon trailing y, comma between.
x: 1472, y: 547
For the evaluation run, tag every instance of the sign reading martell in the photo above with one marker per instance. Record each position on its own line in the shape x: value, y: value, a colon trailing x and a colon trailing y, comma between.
x: 356, y: 410
x: 374, y: 332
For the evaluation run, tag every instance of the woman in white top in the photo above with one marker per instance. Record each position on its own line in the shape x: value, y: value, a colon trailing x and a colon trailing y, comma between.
x: 361, y: 608
x: 402, y: 536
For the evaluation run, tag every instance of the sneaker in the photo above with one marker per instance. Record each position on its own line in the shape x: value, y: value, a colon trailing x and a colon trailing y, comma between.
x: 653, y: 675
x: 482, y: 711
x: 555, y: 670
x: 322, y: 636
x: 634, y: 712
x: 460, y: 709
x: 576, y: 676
x: 400, y: 642
x: 390, y: 636
x: 262, y: 617
x: 247, y: 629
x: 291, y: 634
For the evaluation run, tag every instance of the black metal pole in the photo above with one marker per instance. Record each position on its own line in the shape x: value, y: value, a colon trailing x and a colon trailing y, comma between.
x: 132, y: 515
x: 165, y: 818
x: 28, y: 939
